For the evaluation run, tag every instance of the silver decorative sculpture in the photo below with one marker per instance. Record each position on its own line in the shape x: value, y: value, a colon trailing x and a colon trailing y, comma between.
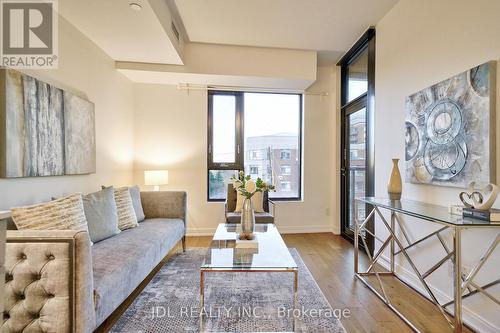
x: 479, y: 199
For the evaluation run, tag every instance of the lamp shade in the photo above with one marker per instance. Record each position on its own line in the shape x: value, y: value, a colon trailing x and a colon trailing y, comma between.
x: 156, y: 177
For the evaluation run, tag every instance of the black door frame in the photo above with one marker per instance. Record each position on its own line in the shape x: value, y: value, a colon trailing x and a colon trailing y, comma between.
x: 367, y: 100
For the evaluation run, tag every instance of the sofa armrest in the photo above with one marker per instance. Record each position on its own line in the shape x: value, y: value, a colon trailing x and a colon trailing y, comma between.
x: 164, y: 204
x: 49, y: 281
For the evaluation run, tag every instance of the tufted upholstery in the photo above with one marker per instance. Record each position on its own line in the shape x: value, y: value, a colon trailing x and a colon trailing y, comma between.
x: 35, y: 287
x: 42, y: 286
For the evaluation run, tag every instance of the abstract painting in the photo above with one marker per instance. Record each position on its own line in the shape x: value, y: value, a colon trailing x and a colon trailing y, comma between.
x: 79, y: 135
x: 44, y: 130
x: 450, y: 135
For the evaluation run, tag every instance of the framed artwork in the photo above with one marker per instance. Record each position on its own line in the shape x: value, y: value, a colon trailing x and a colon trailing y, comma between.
x: 450, y: 136
x: 44, y: 130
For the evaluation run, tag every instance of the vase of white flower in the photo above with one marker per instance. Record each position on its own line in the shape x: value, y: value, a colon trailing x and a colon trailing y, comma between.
x: 247, y: 187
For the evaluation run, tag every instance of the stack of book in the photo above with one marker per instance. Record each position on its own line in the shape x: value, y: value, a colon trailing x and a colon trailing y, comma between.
x: 492, y: 215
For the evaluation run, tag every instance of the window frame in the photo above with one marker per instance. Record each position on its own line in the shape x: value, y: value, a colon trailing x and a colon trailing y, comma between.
x: 239, y: 139
x: 239, y: 163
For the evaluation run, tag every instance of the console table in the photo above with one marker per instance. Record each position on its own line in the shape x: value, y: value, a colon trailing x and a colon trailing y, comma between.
x: 463, y: 284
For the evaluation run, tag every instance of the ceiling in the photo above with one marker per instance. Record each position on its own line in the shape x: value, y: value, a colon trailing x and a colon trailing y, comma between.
x: 124, y: 34
x: 327, y: 26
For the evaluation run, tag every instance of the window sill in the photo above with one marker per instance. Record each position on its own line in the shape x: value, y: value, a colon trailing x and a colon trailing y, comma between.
x: 286, y: 200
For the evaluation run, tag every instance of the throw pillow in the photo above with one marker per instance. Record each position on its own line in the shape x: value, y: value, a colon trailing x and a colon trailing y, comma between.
x: 62, y: 214
x: 101, y: 212
x: 135, y: 193
x: 257, y: 202
x: 125, y: 209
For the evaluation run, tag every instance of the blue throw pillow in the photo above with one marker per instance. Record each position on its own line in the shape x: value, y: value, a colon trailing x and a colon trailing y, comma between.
x: 101, y: 213
x: 135, y: 193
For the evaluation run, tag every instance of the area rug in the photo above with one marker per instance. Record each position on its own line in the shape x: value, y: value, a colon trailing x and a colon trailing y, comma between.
x: 234, y: 302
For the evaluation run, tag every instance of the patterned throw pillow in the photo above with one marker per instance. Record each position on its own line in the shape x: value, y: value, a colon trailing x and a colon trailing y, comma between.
x: 125, y: 208
x: 62, y: 214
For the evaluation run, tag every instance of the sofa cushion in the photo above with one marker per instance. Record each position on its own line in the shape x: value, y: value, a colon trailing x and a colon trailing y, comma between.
x: 259, y: 218
x: 122, y: 262
x: 102, y: 218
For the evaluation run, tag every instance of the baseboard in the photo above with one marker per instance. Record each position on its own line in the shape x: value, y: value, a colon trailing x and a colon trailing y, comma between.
x: 470, y: 318
x: 309, y: 229
x: 200, y: 231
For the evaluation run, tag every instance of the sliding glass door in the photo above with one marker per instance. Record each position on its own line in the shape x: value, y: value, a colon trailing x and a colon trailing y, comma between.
x: 357, y: 148
x: 355, y: 167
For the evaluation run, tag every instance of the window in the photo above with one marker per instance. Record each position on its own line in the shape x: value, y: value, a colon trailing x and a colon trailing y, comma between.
x: 255, y: 132
x: 357, y: 77
x: 255, y: 155
x: 285, y: 155
x: 217, y: 183
x: 286, y: 170
x: 285, y: 186
x: 254, y: 170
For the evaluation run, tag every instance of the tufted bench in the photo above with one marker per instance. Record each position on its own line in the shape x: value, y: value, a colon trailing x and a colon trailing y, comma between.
x: 55, y: 281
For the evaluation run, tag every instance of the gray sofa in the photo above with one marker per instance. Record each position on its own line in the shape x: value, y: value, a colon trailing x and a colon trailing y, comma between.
x: 56, y: 281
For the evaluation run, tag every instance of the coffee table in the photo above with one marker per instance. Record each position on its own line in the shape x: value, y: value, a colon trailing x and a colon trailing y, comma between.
x: 272, y: 255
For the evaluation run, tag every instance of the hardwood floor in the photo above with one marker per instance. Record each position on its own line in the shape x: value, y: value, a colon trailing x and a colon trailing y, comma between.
x: 330, y: 260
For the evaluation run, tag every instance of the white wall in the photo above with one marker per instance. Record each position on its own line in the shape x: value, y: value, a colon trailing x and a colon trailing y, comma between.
x: 171, y: 133
x: 85, y: 70
x: 420, y: 43
x: 230, y: 65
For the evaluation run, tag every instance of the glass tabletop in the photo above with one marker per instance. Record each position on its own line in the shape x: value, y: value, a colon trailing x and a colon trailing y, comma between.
x: 271, y: 252
x: 425, y: 211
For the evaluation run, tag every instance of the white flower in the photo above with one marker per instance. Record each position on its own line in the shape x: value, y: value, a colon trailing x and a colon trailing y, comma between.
x: 250, y: 186
x: 236, y: 184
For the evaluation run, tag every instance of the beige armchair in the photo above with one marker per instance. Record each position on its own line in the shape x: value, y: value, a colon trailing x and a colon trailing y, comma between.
x: 232, y: 217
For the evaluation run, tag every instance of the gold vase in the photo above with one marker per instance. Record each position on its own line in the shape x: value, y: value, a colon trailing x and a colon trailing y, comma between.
x: 395, y: 186
x: 247, y: 219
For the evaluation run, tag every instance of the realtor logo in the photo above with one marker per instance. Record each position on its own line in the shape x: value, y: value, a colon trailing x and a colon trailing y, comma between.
x: 29, y: 33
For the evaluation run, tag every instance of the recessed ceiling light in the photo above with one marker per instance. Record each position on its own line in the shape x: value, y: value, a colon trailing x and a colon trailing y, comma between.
x: 135, y: 6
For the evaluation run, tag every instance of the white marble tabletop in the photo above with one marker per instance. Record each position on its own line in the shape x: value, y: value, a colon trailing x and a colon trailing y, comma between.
x: 4, y: 214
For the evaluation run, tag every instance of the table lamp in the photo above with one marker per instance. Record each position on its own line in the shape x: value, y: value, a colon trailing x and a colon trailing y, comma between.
x: 156, y: 178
